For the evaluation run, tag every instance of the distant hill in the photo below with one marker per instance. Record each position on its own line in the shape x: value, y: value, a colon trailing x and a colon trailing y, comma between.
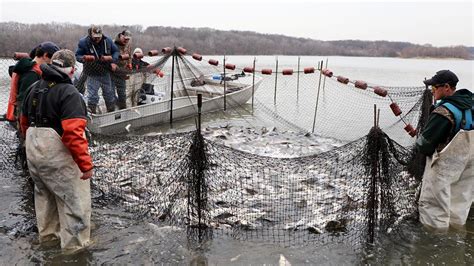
x: 471, y: 51
x: 23, y: 37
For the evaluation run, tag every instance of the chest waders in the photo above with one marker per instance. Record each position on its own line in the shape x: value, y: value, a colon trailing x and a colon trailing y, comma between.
x: 448, y: 183
x: 62, y: 199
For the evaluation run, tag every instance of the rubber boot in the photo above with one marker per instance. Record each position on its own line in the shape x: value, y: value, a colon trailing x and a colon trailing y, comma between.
x: 121, y: 105
x: 110, y: 107
x: 92, y: 108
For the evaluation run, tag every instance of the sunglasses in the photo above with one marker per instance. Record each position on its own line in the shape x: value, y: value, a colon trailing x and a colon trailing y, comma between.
x: 437, y: 86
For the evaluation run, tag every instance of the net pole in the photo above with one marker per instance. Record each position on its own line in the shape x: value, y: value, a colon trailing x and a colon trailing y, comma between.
x: 199, y: 111
x: 298, y: 80
x: 253, y: 82
x: 317, y: 96
x: 374, y: 142
x: 172, y: 85
x: 225, y: 84
x: 324, y: 81
x: 276, y: 81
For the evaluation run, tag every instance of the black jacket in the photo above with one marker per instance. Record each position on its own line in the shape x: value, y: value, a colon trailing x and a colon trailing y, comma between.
x: 59, y: 106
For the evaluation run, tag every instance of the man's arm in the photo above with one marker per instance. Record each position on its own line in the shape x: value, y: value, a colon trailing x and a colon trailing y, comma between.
x: 436, y: 131
x: 81, y: 50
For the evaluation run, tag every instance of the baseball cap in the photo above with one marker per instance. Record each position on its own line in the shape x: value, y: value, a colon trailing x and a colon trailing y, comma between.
x: 64, y: 58
x: 95, y: 31
x: 127, y: 34
x: 48, y: 47
x: 443, y: 77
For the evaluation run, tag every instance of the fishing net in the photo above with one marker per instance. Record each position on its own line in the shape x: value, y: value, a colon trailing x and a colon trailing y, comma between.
x: 347, y: 195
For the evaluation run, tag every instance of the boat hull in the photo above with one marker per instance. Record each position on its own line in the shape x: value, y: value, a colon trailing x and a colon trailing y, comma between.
x: 122, y: 121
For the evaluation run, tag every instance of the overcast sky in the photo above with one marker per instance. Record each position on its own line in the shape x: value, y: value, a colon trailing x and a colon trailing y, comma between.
x: 440, y: 23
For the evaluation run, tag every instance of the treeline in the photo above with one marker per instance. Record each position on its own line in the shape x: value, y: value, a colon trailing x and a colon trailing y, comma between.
x: 23, y: 37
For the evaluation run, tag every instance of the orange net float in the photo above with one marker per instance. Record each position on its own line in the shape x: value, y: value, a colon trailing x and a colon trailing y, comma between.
x: 18, y: 55
x: 124, y: 56
x: 410, y: 130
x: 197, y: 57
x: 361, y: 84
x: 137, y: 55
x: 266, y: 71
x: 88, y: 58
x: 153, y: 53
x: 230, y: 66
x: 308, y: 70
x: 341, y: 79
x: 328, y: 73
x: 158, y: 72
x: 106, y: 58
x: 380, y: 92
x: 287, y: 72
x: 166, y: 50
x: 181, y: 50
x: 213, y: 62
x: 395, y: 109
x: 248, y: 69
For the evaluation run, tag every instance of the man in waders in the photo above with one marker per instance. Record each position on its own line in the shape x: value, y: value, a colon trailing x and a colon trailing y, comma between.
x: 448, y: 142
x: 54, y: 120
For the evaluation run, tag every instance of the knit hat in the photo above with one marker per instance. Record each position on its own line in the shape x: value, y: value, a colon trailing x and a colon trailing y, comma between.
x: 137, y: 50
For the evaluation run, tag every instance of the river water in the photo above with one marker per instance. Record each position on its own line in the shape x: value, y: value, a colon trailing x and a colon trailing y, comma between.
x: 120, y: 239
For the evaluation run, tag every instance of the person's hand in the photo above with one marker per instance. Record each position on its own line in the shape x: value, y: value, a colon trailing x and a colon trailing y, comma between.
x: 88, y: 58
x: 129, y: 66
x: 87, y: 175
x: 106, y: 58
x: 113, y: 67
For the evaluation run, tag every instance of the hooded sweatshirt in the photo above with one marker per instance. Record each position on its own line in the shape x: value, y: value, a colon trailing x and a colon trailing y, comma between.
x: 24, y: 73
x: 29, y: 72
x: 62, y: 108
x: 440, y: 128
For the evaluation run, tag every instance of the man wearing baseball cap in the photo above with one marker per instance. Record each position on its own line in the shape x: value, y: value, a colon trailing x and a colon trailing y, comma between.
x: 26, y: 72
x: 123, y: 42
x: 99, y: 56
x: 448, y: 142
x: 53, y: 121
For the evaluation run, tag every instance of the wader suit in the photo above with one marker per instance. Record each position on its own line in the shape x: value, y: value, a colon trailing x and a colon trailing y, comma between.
x: 448, y: 180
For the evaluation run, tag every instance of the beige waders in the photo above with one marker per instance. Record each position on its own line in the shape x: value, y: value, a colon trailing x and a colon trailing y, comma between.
x: 62, y: 199
x: 446, y: 193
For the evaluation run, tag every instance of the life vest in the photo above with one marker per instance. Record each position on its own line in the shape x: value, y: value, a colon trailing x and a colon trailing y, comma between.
x: 462, y: 120
x: 12, y: 101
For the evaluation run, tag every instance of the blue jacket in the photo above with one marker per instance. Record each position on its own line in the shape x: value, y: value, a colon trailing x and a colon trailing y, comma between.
x: 105, y: 47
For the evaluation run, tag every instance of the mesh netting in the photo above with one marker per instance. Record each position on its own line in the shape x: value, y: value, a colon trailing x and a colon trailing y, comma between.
x: 348, y: 195
x: 345, y: 195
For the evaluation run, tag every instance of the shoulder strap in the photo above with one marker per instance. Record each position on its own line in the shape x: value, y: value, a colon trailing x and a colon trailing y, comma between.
x: 463, y: 119
x: 37, y: 116
x: 468, y: 117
